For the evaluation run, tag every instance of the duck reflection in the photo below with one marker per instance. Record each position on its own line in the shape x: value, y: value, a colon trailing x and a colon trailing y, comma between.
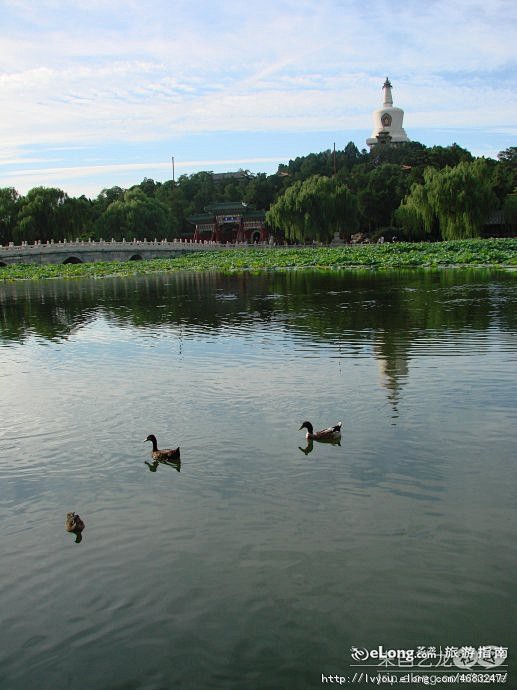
x: 310, y: 444
x: 308, y: 448
x: 153, y: 466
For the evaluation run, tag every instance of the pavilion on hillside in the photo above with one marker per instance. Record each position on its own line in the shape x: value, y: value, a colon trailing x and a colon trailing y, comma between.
x: 230, y: 221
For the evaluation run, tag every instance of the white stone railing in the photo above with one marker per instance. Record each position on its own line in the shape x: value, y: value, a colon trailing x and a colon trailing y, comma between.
x: 107, y: 244
x: 123, y: 244
x: 113, y: 250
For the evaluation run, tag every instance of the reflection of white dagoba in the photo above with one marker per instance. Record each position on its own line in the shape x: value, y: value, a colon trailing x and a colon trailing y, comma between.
x: 387, y: 121
x: 393, y: 368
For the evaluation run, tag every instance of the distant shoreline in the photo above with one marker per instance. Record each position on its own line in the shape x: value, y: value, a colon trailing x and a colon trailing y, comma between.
x: 475, y: 253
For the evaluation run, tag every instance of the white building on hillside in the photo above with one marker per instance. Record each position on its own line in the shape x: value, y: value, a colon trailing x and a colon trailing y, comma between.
x: 387, y: 121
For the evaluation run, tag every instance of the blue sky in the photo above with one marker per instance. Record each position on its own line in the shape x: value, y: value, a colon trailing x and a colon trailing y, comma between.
x: 97, y: 93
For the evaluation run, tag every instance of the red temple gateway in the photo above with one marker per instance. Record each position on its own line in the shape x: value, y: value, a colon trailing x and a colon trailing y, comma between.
x: 230, y: 221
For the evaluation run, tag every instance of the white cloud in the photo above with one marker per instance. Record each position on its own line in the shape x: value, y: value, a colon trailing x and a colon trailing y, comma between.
x: 88, y: 170
x: 89, y: 179
x: 92, y: 73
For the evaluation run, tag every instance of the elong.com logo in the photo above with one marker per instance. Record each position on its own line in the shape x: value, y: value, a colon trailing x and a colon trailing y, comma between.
x: 486, y: 656
x: 381, y: 654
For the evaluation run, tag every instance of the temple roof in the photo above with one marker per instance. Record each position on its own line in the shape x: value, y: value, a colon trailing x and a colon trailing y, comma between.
x: 237, y: 206
x: 201, y: 218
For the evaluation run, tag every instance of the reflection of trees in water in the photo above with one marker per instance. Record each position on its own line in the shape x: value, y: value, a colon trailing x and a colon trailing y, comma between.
x: 384, y: 314
x: 389, y: 316
x: 55, y: 309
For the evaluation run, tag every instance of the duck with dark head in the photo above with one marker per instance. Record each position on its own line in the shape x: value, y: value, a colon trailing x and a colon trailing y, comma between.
x: 332, y: 433
x: 163, y: 454
x: 75, y: 524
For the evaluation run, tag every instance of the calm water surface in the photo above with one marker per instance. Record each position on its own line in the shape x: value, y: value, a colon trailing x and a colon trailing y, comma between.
x: 263, y: 561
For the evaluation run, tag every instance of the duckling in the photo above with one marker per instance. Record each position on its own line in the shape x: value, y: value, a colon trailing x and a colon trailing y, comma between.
x: 73, y: 523
x: 333, y: 433
x: 165, y: 453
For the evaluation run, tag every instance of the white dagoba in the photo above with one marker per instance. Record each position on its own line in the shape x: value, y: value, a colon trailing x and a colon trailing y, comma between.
x: 387, y: 121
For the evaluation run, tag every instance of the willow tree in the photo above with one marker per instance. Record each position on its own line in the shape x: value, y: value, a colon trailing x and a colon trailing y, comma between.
x: 9, y: 204
x: 314, y: 209
x: 134, y: 216
x: 458, y: 199
x: 42, y: 215
x: 416, y: 216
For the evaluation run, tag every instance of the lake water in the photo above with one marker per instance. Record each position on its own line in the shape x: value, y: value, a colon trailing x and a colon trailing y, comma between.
x: 262, y: 562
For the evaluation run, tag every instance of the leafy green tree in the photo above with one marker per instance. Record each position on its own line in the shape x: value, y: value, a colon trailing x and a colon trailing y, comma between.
x: 349, y: 157
x: 114, y: 223
x: 145, y: 215
x: 9, y: 204
x: 173, y: 199
x: 314, y: 210
x: 149, y: 186
x: 79, y: 217
x: 107, y: 197
x: 443, y: 156
x: 386, y: 185
x: 233, y: 190
x: 262, y: 190
x: 416, y: 217
x: 509, y: 155
x: 199, y: 190
x: 376, y: 181
x: 457, y: 199
x: 42, y: 215
x: 303, y: 167
x: 504, y: 173
x: 462, y: 198
x: 510, y: 212
x: 134, y: 216
x: 411, y: 153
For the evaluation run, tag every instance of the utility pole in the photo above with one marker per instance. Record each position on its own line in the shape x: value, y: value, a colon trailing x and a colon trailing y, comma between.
x: 334, y: 159
x: 173, y: 171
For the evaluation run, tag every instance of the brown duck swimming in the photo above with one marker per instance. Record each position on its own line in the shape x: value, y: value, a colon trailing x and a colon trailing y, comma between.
x: 164, y: 453
x: 73, y: 523
x: 332, y: 433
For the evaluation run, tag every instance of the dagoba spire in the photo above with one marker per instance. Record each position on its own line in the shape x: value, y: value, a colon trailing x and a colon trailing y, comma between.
x: 388, y: 98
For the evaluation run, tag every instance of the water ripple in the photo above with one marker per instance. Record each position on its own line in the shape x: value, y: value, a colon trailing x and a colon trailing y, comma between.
x: 257, y: 531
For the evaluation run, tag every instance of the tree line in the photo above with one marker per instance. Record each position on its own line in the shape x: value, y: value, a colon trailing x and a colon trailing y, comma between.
x: 408, y: 189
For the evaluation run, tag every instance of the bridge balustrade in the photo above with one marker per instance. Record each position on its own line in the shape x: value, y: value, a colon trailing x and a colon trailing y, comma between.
x: 89, y: 250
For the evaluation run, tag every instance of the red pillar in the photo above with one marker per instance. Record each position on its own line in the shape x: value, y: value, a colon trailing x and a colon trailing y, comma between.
x: 240, y: 231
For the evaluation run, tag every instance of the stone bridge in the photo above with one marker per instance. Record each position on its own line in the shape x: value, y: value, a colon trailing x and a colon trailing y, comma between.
x: 89, y: 251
